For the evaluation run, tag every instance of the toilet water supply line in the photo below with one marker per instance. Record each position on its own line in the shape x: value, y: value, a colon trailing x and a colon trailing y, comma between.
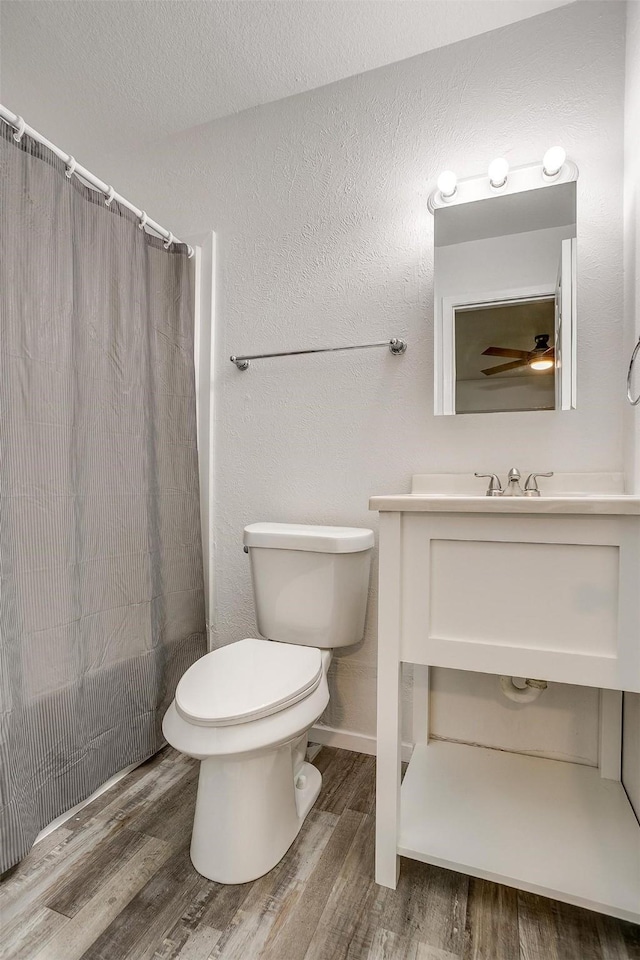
x: 74, y: 168
x: 527, y: 693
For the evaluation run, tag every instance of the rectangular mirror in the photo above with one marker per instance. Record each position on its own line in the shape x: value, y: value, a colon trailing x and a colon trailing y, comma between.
x: 505, y: 303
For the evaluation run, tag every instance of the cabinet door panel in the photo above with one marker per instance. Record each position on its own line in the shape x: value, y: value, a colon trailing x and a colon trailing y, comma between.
x: 555, y: 598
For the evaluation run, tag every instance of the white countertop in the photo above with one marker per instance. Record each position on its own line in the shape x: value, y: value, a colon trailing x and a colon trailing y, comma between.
x: 600, y: 493
x: 457, y: 503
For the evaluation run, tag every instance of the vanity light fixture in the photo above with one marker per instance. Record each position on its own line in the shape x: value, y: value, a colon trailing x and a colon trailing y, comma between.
x: 498, y: 172
x: 447, y: 185
x: 553, y: 162
x: 503, y: 180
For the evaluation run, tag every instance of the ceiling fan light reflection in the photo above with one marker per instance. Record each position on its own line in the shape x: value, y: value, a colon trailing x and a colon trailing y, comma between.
x: 543, y: 363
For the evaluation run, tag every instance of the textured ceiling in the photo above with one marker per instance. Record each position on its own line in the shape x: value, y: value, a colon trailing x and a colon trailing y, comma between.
x: 122, y: 72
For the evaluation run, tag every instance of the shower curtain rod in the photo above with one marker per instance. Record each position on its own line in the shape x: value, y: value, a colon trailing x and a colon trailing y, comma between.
x: 75, y: 168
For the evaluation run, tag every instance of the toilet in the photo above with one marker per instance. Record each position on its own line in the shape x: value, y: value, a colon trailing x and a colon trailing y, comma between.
x: 245, y: 709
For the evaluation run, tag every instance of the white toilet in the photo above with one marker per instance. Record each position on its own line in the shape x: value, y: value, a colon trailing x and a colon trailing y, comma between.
x: 245, y: 710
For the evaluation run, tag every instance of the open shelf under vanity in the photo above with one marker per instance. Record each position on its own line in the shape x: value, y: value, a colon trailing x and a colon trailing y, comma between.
x: 546, y: 826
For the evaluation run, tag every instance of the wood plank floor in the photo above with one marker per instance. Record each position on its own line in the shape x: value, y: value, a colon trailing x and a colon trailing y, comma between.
x: 116, y: 882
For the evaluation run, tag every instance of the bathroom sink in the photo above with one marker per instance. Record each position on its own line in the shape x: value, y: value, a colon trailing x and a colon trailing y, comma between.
x: 589, y: 493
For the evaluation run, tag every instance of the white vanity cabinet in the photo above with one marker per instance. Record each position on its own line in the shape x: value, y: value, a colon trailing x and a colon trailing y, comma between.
x: 547, y: 588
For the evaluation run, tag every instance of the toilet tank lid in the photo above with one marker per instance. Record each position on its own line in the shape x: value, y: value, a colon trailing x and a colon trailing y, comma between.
x: 306, y: 536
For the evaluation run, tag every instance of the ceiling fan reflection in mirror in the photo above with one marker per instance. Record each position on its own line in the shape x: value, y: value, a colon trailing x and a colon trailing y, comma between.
x: 541, y: 358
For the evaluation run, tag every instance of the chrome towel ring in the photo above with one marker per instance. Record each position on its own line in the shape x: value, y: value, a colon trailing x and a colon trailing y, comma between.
x: 633, y: 401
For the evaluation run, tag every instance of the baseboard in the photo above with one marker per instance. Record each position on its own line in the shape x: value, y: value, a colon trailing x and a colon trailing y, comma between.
x: 347, y: 740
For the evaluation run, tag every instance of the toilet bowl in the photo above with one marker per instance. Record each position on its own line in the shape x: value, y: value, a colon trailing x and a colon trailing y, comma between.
x: 245, y: 709
x: 255, y: 787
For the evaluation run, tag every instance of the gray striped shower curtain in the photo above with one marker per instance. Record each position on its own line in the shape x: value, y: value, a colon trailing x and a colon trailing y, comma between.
x: 101, y: 590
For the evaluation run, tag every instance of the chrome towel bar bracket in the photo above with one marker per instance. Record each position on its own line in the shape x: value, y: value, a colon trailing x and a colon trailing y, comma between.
x: 396, y: 345
x: 634, y: 401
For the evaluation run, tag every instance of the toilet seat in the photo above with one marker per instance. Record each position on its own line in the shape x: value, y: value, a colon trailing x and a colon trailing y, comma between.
x: 247, y: 680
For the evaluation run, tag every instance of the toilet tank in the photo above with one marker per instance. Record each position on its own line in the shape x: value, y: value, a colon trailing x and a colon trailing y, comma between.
x: 310, y: 583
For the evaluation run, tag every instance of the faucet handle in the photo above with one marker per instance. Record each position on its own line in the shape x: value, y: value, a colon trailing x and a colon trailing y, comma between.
x: 531, y: 484
x: 495, y: 487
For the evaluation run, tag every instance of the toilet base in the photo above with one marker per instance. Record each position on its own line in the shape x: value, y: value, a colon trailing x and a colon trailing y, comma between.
x: 249, y: 810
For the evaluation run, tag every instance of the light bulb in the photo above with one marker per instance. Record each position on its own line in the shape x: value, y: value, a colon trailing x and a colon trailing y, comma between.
x: 447, y: 184
x: 544, y: 363
x: 552, y: 162
x: 498, y: 172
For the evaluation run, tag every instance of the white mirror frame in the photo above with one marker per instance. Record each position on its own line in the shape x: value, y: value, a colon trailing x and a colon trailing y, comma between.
x: 520, y: 179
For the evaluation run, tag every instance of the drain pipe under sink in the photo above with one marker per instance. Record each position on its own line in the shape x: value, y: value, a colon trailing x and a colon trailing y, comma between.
x: 527, y: 693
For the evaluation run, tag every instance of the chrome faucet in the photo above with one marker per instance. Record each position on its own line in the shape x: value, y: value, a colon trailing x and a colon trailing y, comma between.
x: 513, y: 488
x: 495, y: 487
x: 531, y: 485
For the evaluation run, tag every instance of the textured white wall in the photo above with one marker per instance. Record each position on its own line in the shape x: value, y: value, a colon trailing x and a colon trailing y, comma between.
x: 569, y: 713
x: 631, y: 219
x: 323, y: 238
x: 631, y: 742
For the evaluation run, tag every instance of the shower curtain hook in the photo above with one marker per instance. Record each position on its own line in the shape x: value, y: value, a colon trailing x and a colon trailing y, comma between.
x: 18, y: 135
x: 169, y: 240
x: 109, y: 198
x: 143, y: 220
x: 71, y: 165
x: 190, y: 252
